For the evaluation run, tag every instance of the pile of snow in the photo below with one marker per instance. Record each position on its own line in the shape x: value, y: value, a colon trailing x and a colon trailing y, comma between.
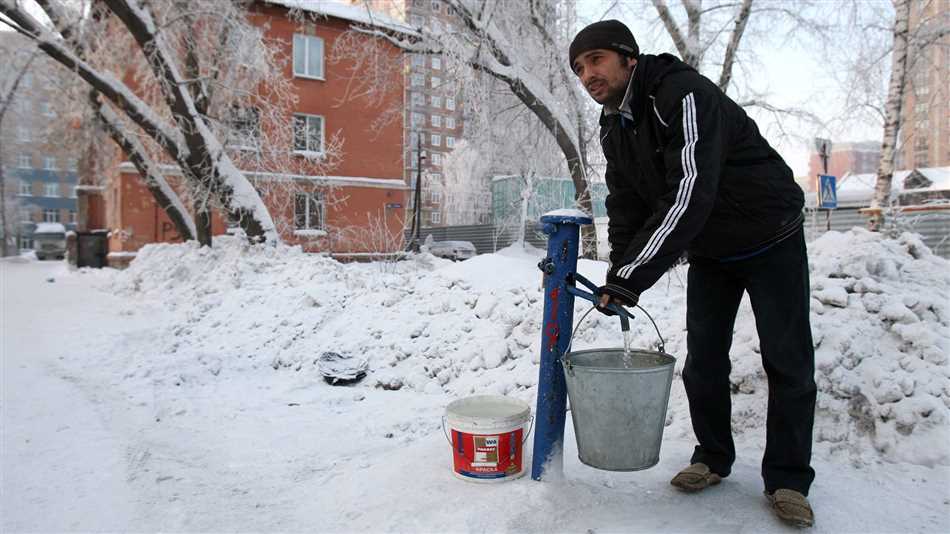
x: 880, y: 319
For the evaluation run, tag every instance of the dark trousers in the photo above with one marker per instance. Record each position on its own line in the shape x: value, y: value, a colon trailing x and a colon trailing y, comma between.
x: 777, y: 283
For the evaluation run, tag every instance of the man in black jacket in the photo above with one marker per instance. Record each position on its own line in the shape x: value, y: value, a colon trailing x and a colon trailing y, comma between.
x: 688, y: 171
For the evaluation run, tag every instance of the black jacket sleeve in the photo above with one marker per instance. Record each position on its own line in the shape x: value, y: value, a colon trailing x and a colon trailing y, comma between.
x: 626, y: 211
x: 693, y: 158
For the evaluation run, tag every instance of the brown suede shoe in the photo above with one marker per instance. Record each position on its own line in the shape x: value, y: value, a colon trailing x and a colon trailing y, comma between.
x: 695, y: 478
x: 792, y: 507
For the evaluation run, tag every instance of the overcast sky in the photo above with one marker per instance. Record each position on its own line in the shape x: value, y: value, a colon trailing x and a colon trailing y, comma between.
x: 790, y: 69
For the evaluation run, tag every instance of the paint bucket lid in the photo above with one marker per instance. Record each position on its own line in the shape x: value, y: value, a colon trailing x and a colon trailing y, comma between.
x: 488, y: 411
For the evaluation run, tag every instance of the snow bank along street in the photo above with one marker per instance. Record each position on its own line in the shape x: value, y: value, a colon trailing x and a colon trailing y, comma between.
x: 183, y: 394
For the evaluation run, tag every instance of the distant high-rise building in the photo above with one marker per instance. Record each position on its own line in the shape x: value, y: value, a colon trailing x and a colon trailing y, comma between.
x: 925, y: 119
x: 846, y: 158
x: 39, y: 168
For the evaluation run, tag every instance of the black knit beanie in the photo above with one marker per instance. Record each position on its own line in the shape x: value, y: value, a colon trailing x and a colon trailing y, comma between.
x: 609, y: 34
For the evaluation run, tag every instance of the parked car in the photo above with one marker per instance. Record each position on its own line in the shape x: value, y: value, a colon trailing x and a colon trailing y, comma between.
x: 49, y: 241
x: 453, y: 250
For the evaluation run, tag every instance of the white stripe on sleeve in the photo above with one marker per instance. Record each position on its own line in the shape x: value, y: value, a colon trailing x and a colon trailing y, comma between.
x: 683, y: 195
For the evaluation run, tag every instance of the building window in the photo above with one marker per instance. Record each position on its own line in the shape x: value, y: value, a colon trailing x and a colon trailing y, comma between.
x: 244, y: 128
x: 450, y: 122
x: 26, y: 188
x: 308, y: 211
x: 435, y: 5
x: 436, y: 140
x: 436, y: 27
x: 51, y: 189
x: 71, y: 164
x: 23, y: 134
x: 23, y: 161
x: 418, y: 119
x: 25, y: 243
x: 308, y: 134
x: 436, y: 120
x: 49, y: 163
x: 436, y: 101
x: 26, y: 214
x: 418, y: 80
x: 72, y: 191
x: 418, y: 60
x: 51, y: 216
x: 436, y: 82
x: 450, y: 103
x: 308, y: 56
x: 450, y: 141
x: 415, y: 20
x: 436, y: 197
x: 413, y: 139
x: 435, y: 217
x: 72, y: 216
x: 436, y: 63
x: 436, y: 158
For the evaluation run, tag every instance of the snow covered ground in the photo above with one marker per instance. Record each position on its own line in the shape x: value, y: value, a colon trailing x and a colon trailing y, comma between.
x: 183, y: 395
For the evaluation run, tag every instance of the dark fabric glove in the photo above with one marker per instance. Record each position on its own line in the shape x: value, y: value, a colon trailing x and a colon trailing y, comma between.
x: 618, y: 295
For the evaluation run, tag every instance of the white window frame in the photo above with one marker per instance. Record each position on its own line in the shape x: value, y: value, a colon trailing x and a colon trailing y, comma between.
x: 309, y: 198
x: 72, y: 216
x: 436, y: 63
x: 450, y: 103
x: 24, y: 161
x: 418, y: 119
x: 308, y: 151
x: 436, y: 101
x: 25, y: 188
x: 449, y: 141
x: 435, y: 120
x: 49, y: 163
x: 436, y: 140
x: 450, y: 123
x: 418, y: 99
x: 51, y: 189
x: 435, y: 82
x: 435, y: 217
x: 72, y: 164
x: 417, y: 80
x: 308, y: 41
x: 436, y: 159
x: 51, y: 215
x: 244, y: 128
x: 418, y: 60
x: 74, y: 191
x: 23, y: 134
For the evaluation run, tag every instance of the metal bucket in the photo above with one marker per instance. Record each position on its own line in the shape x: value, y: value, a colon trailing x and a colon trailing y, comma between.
x: 618, y: 411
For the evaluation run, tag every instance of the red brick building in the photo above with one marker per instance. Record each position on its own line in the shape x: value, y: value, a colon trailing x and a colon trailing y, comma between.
x: 341, y: 210
x: 846, y: 158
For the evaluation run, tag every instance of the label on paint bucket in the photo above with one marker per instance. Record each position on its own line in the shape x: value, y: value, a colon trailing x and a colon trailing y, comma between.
x: 487, y: 456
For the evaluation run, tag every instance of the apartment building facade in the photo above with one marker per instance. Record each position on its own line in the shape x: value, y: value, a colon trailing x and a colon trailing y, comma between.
x: 925, y: 122
x: 40, y: 173
x: 860, y: 157
x: 328, y: 210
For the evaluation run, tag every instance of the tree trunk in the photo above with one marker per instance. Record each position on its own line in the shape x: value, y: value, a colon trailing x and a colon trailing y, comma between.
x: 203, y: 226
x: 4, y: 229
x: 892, y: 121
x: 730, y: 58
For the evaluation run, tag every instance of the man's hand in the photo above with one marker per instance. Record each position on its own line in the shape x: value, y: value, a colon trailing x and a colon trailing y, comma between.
x: 606, y: 299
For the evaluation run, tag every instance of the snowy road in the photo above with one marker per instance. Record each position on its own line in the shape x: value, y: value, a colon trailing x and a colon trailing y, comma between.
x: 274, y: 450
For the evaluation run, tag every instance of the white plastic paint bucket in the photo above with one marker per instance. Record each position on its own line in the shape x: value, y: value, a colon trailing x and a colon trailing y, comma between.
x: 487, y: 434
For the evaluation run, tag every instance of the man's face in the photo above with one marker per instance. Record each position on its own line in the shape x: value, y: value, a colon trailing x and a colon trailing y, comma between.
x: 605, y: 74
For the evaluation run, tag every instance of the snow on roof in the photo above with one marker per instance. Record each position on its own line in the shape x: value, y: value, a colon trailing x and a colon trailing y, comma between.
x: 49, y: 228
x: 856, y: 189
x: 354, y: 13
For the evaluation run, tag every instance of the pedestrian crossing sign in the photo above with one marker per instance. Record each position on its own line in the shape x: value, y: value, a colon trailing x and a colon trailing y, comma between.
x: 827, y: 194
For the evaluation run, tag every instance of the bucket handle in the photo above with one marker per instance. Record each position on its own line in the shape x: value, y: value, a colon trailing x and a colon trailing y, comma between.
x: 525, y: 440
x: 570, y: 342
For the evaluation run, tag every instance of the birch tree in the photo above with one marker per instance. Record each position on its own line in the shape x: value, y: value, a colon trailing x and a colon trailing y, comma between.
x: 177, y: 100
x: 516, y: 44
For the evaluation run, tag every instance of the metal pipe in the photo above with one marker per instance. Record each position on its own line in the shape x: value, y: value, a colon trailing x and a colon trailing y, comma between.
x: 563, y: 238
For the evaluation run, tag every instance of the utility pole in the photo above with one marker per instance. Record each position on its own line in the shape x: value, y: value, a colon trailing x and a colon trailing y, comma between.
x: 416, y: 229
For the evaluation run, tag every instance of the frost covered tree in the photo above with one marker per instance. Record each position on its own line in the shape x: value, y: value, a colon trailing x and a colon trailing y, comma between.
x: 521, y: 46
x: 202, y: 93
x: 11, y: 78
x: 891, y: 57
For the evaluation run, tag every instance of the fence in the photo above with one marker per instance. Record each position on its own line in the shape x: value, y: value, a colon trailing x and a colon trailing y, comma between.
x: 934, y: 228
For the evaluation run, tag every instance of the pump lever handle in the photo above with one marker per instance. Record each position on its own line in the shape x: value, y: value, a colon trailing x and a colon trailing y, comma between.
x: 621, y: 312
